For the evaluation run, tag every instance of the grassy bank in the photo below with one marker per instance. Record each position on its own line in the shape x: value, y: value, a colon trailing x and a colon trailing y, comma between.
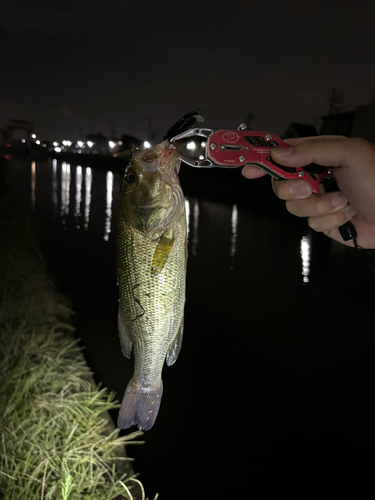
x: 57, y: 441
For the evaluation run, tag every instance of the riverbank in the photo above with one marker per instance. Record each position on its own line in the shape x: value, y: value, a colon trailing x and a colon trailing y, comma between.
x: 58, y: 440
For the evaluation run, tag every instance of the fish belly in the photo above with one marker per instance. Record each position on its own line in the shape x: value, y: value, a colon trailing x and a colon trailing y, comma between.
x: 150, y: 317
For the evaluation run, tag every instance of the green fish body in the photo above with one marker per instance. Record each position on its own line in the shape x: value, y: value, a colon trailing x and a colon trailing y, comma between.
x: 151, y: 262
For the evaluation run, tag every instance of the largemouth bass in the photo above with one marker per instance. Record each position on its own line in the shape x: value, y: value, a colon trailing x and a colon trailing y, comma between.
x: 151, y: 261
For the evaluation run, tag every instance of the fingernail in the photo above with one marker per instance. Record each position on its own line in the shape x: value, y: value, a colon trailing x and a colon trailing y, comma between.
x: 300, y: 190
x: 350, y: 213
x: 338, y: 200
x: 282, y: 151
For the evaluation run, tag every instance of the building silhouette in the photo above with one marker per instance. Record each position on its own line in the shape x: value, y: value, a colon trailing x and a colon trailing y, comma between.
x: 299, y: 130
x: 357, y: 123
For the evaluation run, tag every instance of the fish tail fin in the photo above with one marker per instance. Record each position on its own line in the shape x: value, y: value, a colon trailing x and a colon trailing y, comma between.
x: 140, y: 405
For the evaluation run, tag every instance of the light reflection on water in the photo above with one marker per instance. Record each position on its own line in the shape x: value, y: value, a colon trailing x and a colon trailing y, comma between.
x: 234, y: 223
x: 305, y: 257
x: 77, y: 208
x: 195, y: 228
x: 187, y: 211
x: 55, y: 195
x: 108, y: 208
x: 33, y: 181
x: 88, y: 185
x: 65, y: 192
x: 72, y: 200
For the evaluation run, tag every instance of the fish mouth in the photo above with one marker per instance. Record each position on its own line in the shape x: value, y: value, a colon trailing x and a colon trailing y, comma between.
x: 163, y: 157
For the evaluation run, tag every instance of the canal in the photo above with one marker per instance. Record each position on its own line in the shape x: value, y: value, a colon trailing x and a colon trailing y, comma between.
x: 273, y: 389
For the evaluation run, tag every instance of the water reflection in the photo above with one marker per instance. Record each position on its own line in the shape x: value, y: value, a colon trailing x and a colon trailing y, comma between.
x: 234, y: 223
x: 194, y: 242
x: 88, y: 185
x: 108, y: 207
x: 72, y: 196
x: 305, y: 257
x: 77, y: 209
x: 55, y: 194
x: 33, y: 181
x: 65, y: 192
x: 187, y: 211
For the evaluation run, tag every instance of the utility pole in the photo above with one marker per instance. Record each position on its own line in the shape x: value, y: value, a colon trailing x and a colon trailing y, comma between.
x: 337, y: 100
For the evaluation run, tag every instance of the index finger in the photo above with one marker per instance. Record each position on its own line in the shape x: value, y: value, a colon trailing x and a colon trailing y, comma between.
x: 298, y: 140
x: 328, y: 152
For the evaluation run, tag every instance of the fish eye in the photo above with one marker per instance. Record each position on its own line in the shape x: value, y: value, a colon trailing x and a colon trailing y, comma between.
x: 130, y: 178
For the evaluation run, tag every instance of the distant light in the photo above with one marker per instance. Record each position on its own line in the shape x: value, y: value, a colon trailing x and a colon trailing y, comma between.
x: 79, y: 151
x: 67, y: 143
x: 90, y: 144
x: 55, y: 143
x: 37, y: 141
x: 23, y: 141
x: 33, y: 136
x: 57, y: 149
x: 191, y: 146
x: 146, y: 144
x: 80, y: 144
x: 111, y: 144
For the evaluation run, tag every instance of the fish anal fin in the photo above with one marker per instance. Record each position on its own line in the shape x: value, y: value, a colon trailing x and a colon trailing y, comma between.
x: 161, y: 254
x: 175, y: 346
x: 126, y: 340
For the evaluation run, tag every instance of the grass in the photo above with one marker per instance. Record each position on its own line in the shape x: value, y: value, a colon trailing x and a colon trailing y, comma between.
x: 57, y: 441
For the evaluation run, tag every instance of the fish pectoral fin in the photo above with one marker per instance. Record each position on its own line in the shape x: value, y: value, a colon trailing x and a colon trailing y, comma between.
x: 161, y: 254
x: 126, y: 339
x: 175, y: 346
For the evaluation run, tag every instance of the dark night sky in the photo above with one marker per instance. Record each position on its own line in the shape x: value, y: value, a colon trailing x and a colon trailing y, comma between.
x: 76, y: 67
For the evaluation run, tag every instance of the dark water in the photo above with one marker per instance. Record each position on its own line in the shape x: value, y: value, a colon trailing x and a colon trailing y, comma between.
x: 273, y: 390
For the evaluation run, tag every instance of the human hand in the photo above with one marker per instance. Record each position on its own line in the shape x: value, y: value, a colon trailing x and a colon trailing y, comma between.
x: 353, y: 162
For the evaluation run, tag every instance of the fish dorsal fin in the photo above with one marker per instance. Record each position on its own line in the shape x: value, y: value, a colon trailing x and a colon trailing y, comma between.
x: 175, y: 346
x: 126, y: 340
x: 161, y: 254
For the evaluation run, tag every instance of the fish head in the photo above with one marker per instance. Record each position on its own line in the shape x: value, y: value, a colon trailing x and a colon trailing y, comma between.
x: 148, y: 199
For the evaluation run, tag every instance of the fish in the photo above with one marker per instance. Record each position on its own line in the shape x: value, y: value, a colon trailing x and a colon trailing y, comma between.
x: 151, y: 272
